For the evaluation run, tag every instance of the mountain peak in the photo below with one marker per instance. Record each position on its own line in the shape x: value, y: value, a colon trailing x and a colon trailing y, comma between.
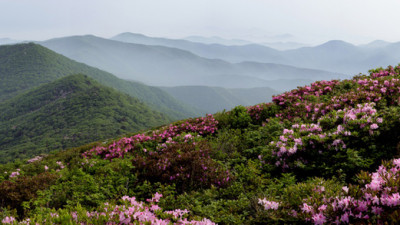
x: 336, y: 44
x: 129, y: 34
x: 376, y: 44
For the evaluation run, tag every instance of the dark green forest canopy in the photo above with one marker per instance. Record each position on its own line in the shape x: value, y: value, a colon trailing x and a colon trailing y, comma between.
x: 69, y: 112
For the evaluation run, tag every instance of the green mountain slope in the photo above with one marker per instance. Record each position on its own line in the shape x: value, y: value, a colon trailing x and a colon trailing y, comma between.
x: 214, y: 99
x: 24, y: 66
x: 68, y: 112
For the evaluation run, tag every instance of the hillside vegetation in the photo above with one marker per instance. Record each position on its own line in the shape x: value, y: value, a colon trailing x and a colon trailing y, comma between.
x: 68, y: 112
x: 24, y: 66
x: 326, y: 153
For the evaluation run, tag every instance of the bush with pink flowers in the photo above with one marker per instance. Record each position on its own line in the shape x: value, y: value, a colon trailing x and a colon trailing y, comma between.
x: 130, y: 211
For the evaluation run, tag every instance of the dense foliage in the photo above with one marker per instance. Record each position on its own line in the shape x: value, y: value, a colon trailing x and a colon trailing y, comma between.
x: 69, y: 112
x: 320, y: 154
x: 25, y: 66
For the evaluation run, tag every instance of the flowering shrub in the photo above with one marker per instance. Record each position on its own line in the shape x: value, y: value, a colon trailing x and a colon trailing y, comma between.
x: 8, y: 220
x: 35, y: 159
x: 328, y: 141
x: 187, y: 164
x: 129, y: 212
x: 311, y: 102
x: 375, y: 201
x: 15, y: 173
x: 202, y: 126
x: 268, y: 204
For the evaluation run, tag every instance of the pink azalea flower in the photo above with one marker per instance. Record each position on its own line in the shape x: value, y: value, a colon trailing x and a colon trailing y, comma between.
x: 9, y: 220
x: 268, y: 204
x: 319, y: 219
x: 306, y: 208
x: 376, y: 210
x: 374, y: 126
x: 14, y: 174
x: 345, y: 218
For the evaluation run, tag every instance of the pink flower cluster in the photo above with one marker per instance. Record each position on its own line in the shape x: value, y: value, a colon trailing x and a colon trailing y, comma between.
x: 305, y: 136
x: 131, y: 212
x: 134, y: 211
x: 15, y: 173
x: 390, y: 71
x: 317, y: 89
x: 8, y: 220
x: 202, y: 126
x: 311, y: 102
x: 365, y: 115
x: 256, y: 110
x: 35, y: 159
x: 268, y: 204
x: 374, y: 203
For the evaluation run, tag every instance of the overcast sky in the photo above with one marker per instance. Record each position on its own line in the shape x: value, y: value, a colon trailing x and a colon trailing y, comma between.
x: 310, y: 21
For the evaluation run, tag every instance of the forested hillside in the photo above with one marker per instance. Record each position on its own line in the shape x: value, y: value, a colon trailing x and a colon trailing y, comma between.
x: 326, y: 153
x: 69, y: 112
x: 24, y: 66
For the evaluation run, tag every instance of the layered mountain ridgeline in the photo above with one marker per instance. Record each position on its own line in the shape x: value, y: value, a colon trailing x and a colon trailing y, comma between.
x: 215, y: 99
x: 231, y: 53
x: 166, y: 66
x: 296, y: 160
x: 335, y: 56
x: 24, y: 66
x: 66, y: 113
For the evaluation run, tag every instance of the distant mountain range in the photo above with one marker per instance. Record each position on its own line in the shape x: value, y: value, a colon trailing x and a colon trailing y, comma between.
x: 217, y: 40
x: 280, y: 44
x: 166, y: 66
x: 234, y: 54
x: 69, y: 112
x: 335, y: 56
x: 25, y: 66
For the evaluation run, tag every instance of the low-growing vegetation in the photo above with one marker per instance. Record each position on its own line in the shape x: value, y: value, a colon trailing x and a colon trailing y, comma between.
x: 327, y: 153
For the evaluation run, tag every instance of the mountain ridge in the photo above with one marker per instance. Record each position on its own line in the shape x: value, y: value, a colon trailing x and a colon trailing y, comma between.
x: 175, y: 67
x: 334, y: 55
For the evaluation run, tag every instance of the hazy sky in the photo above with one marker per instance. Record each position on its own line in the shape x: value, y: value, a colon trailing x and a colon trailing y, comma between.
x: 312, y: 21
